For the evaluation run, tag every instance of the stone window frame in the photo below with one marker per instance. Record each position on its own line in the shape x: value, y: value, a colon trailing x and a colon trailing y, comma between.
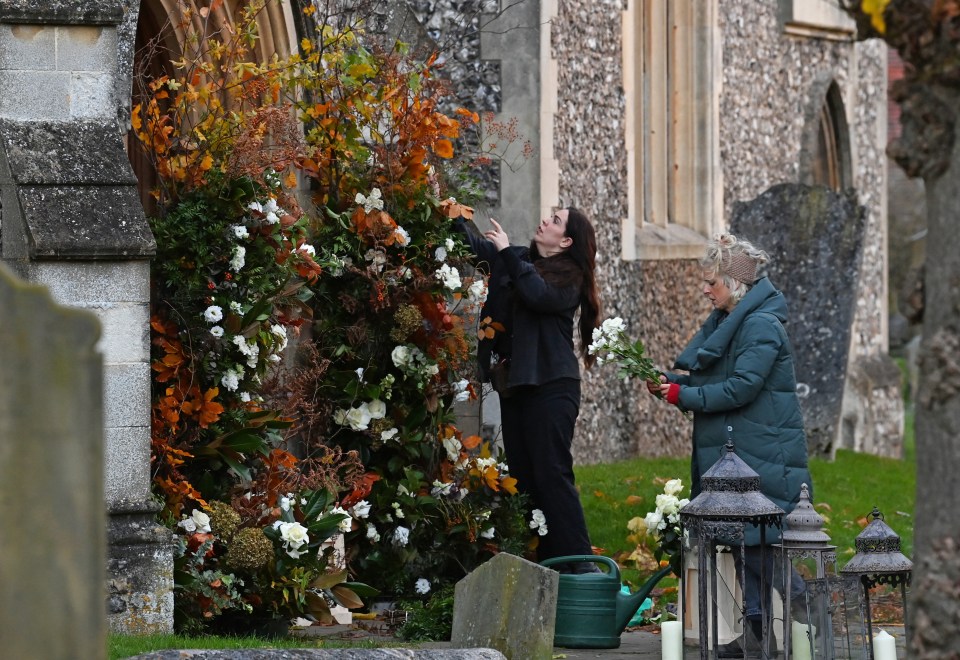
x: 823, y: 19
x: 674, y: 173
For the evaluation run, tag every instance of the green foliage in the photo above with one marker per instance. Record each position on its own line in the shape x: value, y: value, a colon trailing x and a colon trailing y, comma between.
x: 429, y: 621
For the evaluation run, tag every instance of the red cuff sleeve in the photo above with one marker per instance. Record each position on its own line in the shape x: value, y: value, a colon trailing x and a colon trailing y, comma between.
x: 673, y: 394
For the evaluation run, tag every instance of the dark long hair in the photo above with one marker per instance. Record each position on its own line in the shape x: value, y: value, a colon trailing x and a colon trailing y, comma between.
x: 576, y: 266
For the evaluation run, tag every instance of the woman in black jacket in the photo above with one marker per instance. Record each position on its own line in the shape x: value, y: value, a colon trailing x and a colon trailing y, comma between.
x: 534, y: 294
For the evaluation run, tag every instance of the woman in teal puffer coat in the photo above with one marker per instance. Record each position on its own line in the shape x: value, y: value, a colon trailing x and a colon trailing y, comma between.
x: 741, y: 387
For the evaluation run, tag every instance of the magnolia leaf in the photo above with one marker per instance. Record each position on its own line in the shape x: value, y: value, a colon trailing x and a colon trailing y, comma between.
x: 318, y: 607
x: 328, y: 580
x: 346, y: 597
x: 361, y: 589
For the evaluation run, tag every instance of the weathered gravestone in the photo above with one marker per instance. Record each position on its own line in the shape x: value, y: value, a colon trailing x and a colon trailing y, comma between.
x: 52, y: 518
x: 508, y: 604
x: 815, y: 240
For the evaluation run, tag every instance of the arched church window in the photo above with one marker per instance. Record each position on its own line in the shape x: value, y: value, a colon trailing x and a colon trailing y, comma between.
x: 830, y: 165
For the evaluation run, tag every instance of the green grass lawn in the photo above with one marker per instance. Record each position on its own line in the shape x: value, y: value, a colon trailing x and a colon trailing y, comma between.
x: 845, y: 492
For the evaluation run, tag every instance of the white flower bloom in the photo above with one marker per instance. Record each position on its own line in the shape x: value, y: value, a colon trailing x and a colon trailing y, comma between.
x: 653, y: 520
x: 373, y: 201
x: 372, y: 533
x: 281, y: 333
x: 235, y: 307
x: 240, y: 231
x: 461, y: 391
x: 216, y: 331
x: 403, y: 238
x: 449, y: 276
x: 347, y: 523
x: 477, y: 291
x: 538, y: 522
x: 440, y: 254
x: 405, y: 272
x: 256, y: 206
x: 244, y: 396
x: 484, y: 463
x: 450, y: 244
x: 197, y: 522
x: 239, y: 258
x: 422, y: 586
x: 673, y: 487
x: 294, y: 536
x: 400, y: 356
x: 389, y: 434
x: 308, y: 250
x: 397, y: 511
x: 401, y: 536
x: 230, y: 380
x: 361, y: 509
x: 357, y: 418
x: 488, y: 533
x: 272, y: 218
x: 213, y: 313
x: 377, y: 409
x: 453, y: 447
x: 285, y: 503
x: 667, y: 504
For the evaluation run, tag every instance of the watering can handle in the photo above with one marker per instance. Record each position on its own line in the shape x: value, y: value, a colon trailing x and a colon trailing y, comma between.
x: 573, y: 559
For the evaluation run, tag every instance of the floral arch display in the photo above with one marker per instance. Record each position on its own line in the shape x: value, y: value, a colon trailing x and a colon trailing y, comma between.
x: 313, y: 319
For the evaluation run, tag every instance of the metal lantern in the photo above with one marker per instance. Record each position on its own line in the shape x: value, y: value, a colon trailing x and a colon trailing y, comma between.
x: 878, y: 560
x: 729, y: 500
x: 805, y: 553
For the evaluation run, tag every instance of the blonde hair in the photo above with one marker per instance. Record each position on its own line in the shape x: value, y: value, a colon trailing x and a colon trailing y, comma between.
x: 736, y: 260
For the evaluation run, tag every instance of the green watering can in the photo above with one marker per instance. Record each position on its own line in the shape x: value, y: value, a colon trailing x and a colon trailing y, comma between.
x: 591, y: 610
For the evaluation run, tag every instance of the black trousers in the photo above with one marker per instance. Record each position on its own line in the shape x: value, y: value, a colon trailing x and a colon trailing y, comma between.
x: 538, y: 423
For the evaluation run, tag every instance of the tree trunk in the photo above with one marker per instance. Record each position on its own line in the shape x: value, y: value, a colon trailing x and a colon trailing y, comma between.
x: 934, y: 606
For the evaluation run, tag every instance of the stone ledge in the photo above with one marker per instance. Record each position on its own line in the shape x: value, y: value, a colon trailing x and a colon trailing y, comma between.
x: 65, y: 153
x: 61, y: 12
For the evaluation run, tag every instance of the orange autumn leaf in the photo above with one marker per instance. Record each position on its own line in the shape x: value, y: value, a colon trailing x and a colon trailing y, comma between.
x: 471, y: 442
x: 451, y: 209
x: 634, y: 500
x: 509, y: 484
x: 443, y: 148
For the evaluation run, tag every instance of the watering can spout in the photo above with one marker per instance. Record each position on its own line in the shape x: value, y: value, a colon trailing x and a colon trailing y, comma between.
x: 628, y: 604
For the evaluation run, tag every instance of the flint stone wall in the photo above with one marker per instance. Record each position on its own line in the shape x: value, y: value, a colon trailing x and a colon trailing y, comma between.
x: 767, y: 83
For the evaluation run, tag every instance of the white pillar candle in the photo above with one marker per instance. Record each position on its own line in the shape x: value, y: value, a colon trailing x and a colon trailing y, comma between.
x: 800, y: 640
x: 671, y: 638
x: 884, y: 646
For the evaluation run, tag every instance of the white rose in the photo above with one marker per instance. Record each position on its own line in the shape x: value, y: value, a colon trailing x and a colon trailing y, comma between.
x: 372, y: 533
x: 377, y: 409
x: 673, y: 487
x: 295, y: 536
x: 358, y: 418
x: 347, y: 523
x: 389, y: 434
x: 422, y: 586
x: 400, y: 356
x: 361, y: 509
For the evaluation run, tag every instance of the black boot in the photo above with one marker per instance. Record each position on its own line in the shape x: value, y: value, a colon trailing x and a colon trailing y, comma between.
x: 749, y: 644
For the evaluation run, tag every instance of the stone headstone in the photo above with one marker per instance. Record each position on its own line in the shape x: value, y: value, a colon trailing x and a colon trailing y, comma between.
x: 815, y: 240
x: 52, y: 514
x: 509, y: 604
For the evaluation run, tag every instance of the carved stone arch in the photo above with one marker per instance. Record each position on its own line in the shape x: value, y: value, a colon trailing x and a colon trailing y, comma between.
x: 825, y: 152
x: 159, y: 23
